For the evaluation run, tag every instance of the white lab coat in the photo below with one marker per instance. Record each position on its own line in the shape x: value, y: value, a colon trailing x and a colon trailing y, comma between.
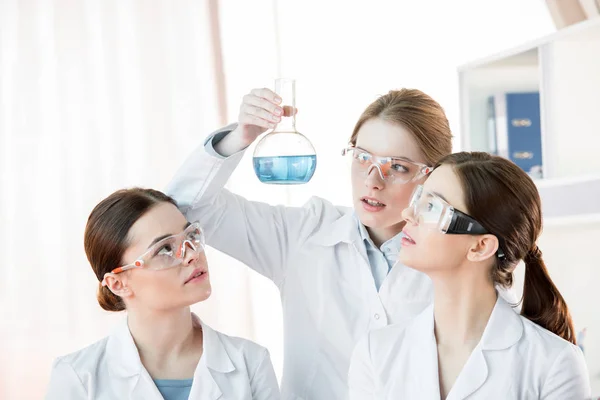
x: 315, y: 257
x: 229, y: 369
x: 516, y: 359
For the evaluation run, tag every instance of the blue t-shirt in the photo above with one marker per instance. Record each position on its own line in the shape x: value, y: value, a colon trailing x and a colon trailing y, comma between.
x: 174, y: 389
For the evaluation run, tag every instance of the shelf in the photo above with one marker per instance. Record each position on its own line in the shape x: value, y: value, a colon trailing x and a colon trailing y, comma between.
x: 570, y: 200
x: 579, y: 221
x: 526, y: 52
x: 563, y: 67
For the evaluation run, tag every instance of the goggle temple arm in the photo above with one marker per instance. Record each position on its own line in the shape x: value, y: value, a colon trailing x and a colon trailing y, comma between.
x: 463, y: 224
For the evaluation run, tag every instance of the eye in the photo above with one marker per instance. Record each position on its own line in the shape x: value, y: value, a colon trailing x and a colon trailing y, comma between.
x: 363, y: 157
x: 194, y: 235
x: 400, y: 168
x: 429, y: 206
x: 165, y: 250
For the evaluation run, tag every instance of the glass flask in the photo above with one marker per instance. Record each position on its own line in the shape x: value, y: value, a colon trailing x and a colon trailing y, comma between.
x: 285, y: 156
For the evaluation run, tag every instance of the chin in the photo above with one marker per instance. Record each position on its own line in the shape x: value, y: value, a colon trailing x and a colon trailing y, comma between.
x: 373, y: 220
x: 407, y: 259
x: 202, y: 294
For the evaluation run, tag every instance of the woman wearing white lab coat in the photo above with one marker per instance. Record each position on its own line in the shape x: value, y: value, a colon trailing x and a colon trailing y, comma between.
x: 481, y: 214
x: 151, y: 262
x: 332, y: 265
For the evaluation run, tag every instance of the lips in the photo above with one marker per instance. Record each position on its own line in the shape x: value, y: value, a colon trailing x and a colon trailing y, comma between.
x: 372, y: 201
x: 407, y: 238
x: 198, y: 272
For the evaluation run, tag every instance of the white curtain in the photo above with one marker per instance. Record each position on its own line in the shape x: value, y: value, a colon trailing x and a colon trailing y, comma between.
x: 96, y: 95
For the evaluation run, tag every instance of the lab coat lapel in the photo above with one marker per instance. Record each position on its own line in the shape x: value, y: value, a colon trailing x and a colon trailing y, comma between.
x: 145, y: 388
x: 503, y: 330
x: 343, y: 230
x: 215, y: 360
x: 126, y: 366
x: 422, y: 376
x: 472, y: 376
x: 205, y: 386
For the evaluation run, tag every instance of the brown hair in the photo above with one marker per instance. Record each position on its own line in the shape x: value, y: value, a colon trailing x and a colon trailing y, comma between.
x: 105, y: 238
x: 504, y: 199
x: 419, y: 114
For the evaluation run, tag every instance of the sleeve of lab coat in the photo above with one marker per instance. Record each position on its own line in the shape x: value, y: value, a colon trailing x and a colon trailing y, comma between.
x: 264, y: 382
x: 568, y: 377
x: 258, y: 234
x: 65, y: 383
x: 361, y: 375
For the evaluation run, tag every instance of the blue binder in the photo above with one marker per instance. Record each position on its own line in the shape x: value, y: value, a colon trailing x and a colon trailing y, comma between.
x: 515, y: 119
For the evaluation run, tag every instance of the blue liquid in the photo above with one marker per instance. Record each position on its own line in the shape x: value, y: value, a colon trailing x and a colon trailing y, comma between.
x: 285, y: 170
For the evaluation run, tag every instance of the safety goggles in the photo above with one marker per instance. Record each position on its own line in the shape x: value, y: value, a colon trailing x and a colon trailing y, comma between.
x: 391, y: 169
x: 431, y: 211
x: 168, y: 252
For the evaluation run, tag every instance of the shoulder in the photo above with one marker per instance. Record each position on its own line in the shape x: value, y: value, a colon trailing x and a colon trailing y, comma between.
x: 242, y: 351
x: 81, y: 360
x: 540, y: 337
x: 545, y: 342
x: 562, y: 366
x: 318, y: 206
x: 71, y: 372
x: 240, y: 344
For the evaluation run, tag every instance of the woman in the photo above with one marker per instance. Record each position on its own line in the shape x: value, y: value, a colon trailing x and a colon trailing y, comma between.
x: 483, y: 215
x: 150, y: 261
x: 332, y: 265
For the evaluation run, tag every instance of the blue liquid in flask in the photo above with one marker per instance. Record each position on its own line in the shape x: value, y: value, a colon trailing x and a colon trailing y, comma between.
x: 285, y: 170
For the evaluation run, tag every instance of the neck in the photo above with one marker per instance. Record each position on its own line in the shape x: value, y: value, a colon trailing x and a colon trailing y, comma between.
x: 463, y: 303
x: 381, y: 235
x: 161, y: 335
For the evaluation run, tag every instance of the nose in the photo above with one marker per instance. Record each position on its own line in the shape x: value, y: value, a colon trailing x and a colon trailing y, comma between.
x: 189, y: 252
x: 375, y: 177
x: 409, y: 215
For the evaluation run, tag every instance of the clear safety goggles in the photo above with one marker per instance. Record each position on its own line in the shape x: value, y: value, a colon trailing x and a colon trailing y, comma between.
x: 168, y: 252
x: 391, y: 169
x: 431, y: 211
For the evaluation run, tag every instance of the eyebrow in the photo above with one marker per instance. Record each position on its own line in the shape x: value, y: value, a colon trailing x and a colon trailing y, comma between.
x: 158, y: 239
x: 400, y: 157
x: 441, y: 196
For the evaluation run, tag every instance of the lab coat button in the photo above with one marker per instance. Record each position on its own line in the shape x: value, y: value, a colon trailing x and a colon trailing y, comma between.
x: 376, y: 316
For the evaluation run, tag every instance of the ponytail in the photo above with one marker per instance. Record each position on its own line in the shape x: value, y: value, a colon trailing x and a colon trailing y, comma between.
x: 542, y: 302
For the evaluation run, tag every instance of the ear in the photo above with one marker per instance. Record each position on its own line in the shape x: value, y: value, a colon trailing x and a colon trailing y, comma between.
x: 117, y: 283
x: 484, y: 247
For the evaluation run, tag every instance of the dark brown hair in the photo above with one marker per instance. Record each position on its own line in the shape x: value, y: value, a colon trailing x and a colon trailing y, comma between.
x: 504, y: 199
x: 105, y: 238
x: 419, y: 114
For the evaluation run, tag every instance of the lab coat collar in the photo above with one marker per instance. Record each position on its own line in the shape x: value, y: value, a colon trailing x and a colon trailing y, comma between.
x: 216, y: 356
x: 125, y: 359
x: 503, y: 330
x: 342, y: 230
x: 122, y: 353
x: 423, y: 357
x: 214, y: 359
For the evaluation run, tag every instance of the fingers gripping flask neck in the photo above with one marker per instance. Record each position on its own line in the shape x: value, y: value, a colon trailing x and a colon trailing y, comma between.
x: 285, y: 156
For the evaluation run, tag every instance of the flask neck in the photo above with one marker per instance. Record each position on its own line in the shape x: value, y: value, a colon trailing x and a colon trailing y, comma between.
x: 286, y: 89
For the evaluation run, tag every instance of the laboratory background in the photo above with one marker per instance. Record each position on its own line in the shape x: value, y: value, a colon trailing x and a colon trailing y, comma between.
x: 98, y: 95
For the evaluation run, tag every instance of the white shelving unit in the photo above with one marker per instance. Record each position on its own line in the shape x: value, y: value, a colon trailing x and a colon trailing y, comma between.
x: 565, y: 68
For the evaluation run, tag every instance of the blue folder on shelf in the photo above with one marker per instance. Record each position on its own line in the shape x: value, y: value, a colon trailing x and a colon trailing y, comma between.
x: 514, y: 129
